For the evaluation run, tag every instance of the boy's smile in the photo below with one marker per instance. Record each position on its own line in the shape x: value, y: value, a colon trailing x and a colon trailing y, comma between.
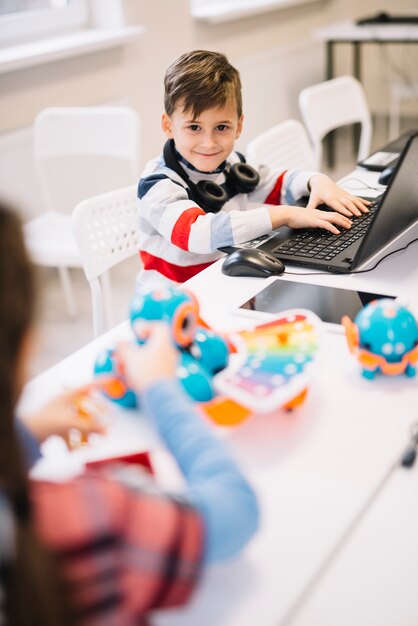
x: 208, y: 140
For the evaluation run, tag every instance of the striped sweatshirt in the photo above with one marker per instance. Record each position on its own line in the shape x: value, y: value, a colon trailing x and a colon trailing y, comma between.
x: 178, y: 239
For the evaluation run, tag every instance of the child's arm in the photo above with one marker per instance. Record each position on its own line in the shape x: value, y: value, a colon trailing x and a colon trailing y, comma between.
x: 214, y: 483
x: 288, y: 187
x: 167, y: 208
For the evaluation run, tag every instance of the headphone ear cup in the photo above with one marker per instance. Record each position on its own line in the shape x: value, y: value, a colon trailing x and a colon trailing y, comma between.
x: 244, y: 177
x: 210, y: 196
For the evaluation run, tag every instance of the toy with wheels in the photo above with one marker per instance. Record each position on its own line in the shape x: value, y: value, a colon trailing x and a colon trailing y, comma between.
x: 384, y: 338
x: 202, y: 352
x: 231, y: 377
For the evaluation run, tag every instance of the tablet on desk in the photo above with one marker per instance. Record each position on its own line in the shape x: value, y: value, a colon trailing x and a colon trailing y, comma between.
x: 380, y: 160
x: 272, y: 296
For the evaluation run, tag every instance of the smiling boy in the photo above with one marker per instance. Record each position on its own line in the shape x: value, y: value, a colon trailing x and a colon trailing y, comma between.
x: 194, y: 198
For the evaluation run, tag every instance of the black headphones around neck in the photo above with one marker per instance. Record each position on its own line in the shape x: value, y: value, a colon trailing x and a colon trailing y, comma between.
x: 240, y: 178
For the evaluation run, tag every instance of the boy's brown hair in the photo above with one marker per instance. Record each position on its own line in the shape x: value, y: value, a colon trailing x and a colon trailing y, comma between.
x: 202, y: 80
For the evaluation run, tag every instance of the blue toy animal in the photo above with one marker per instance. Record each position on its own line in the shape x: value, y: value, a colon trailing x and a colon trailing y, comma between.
x: 384, y: 337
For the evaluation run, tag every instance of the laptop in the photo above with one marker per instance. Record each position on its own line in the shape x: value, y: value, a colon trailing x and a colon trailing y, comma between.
x: 391, y: 215
x: 388, y: 155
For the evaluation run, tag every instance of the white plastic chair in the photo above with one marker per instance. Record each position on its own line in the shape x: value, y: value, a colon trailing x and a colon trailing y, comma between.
x: 79, y: 152
x: 332, y: 104
x: 283, y: 146
x: 105, y: 228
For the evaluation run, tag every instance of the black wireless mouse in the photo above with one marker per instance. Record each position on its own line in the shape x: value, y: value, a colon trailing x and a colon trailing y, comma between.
x: 385, y: 176
x: 252, y: 262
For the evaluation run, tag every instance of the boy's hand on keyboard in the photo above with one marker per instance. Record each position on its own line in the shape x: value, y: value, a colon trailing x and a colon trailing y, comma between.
x: 325, y: 191
x: 302, y: 217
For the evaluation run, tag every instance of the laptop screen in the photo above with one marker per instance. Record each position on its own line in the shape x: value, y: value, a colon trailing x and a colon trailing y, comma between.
x: 399, y: 205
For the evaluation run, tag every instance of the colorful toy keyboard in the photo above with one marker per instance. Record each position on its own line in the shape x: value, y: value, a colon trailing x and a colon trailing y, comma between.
x: 270, y: 369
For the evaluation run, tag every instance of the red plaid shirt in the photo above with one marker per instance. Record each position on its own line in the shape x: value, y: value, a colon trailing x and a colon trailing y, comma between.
x: 124, y: 550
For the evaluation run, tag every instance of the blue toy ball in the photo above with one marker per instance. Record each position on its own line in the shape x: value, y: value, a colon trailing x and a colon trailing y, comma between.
x: 210, y: 350
x: 114, y: 388
x: 194, y: 378
x: 385, y: 336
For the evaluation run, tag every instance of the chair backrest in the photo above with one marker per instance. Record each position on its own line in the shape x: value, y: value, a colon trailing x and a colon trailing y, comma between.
x: 84, y: 151
x: 332, y: 104
x: 106, y: 231
x: 283, y: 146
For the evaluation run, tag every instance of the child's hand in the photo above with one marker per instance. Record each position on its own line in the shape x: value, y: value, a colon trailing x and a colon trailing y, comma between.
x: 303, y: 217
x: 142, y: 366
x: 67, y: 411
x: 324, y: 190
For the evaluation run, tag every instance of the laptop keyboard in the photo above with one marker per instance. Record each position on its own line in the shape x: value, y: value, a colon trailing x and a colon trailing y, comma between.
x: 319, y: 244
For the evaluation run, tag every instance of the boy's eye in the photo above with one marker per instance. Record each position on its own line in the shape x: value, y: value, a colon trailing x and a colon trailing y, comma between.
x: 222, y: 127
x: 194, y: 127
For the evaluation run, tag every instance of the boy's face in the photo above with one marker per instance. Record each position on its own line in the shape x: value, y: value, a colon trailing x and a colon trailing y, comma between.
x: 205, y: 141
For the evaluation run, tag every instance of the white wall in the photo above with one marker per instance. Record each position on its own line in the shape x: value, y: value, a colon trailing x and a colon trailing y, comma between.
x: 275, y: 53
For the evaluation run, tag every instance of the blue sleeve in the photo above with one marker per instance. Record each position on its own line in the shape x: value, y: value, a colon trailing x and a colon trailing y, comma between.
x: 28, y: 443
x: 214, y: 483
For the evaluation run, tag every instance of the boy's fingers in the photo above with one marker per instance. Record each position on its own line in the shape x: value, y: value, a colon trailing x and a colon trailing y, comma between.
x: 348, y: 211
x: 332, y: 220
x: 312, y: 202
x: 330, y: 227
x: 341, y: 219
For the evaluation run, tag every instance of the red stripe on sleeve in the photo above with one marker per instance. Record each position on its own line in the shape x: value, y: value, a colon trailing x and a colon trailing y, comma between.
x: 275, y: 193
x: 181, y: 230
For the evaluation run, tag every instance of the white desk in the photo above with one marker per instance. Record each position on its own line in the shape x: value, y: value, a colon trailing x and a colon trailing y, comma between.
x: 383, y: 553
x: 396, y: 276
x: 349, y: 33
x: 314, y: 470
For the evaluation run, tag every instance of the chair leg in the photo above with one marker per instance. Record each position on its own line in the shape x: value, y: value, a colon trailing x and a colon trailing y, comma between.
x: 68, y: 290
x: 97, y: 302
x: 107, y: 298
